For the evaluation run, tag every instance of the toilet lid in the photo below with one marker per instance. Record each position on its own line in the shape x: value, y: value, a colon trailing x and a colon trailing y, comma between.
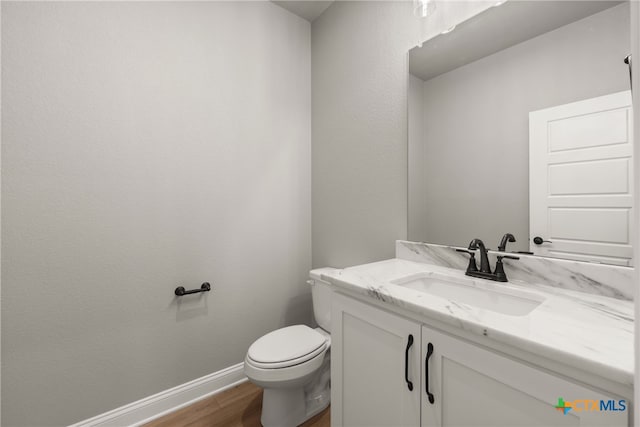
x: 287, y: 344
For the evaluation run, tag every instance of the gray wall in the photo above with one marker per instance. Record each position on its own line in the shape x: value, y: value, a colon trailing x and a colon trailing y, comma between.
x: 145, y: 146
x: 476, y: 152
x: 359, y: 160
x: 359, y: 124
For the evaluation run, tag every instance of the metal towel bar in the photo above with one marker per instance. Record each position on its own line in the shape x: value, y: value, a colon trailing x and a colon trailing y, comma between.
x: 180, y: 291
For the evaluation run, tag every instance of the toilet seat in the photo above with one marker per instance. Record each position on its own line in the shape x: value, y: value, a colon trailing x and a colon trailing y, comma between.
x: 285, y: 376
x: 288, y: 363
x: 286, y: 347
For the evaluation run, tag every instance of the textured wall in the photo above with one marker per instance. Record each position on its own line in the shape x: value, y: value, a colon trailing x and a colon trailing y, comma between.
x: 475, y: 168
x: 147, y: 145
x: 359, y: 85
x: 359, y: 124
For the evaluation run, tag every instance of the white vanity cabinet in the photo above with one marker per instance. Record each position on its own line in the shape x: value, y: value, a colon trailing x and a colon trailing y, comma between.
x: 368, y: 355
x: 471, y: 385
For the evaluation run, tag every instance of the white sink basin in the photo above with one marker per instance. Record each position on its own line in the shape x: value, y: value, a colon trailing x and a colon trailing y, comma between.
x: 471, y: 292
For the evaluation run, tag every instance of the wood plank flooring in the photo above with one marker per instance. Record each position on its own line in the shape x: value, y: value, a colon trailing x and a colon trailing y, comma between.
x: 239, y: 406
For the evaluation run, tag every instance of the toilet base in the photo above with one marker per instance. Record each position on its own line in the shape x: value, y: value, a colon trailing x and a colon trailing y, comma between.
x: 287, y: 408
x: 282, y: 407
x: 290, y: 407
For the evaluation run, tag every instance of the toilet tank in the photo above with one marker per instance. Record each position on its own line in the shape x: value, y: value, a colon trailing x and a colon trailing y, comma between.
x: 321, y: 293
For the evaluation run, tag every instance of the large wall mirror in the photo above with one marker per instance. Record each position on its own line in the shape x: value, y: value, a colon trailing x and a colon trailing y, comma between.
x: 520, y: 122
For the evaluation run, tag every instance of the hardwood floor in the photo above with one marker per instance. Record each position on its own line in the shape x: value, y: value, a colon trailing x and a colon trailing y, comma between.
x: 237, y: 407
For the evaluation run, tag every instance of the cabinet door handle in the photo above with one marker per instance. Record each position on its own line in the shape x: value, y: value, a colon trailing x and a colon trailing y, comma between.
x: 426, y: 373
x: 406, y: 363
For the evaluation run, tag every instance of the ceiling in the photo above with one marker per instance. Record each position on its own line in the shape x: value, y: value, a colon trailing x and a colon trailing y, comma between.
x: 307, y: 9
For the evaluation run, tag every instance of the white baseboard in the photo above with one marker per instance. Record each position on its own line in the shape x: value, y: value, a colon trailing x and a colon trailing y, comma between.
x: 152, y: 407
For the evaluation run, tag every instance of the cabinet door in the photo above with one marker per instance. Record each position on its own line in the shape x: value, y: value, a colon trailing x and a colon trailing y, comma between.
x: 370, y: 349
x: 473, y: 386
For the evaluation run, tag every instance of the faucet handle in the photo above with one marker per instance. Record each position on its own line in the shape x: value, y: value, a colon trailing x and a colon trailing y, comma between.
x: 472, y: 259
x: 501, y: 276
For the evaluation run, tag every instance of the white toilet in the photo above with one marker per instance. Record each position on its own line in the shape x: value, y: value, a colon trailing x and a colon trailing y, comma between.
x: 292, y: 364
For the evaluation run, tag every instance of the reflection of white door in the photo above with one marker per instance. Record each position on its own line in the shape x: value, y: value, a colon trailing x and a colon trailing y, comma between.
x: 581, y: 180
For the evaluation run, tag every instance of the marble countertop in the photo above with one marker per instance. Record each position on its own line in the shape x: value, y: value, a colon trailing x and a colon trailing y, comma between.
x: 590, y: 332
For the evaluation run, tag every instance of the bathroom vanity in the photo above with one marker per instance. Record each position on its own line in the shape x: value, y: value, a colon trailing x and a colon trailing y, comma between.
x: 416, y: 342
x: 504, y: 135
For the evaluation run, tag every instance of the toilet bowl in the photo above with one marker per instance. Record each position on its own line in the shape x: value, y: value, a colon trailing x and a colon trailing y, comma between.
x: 292, y: 364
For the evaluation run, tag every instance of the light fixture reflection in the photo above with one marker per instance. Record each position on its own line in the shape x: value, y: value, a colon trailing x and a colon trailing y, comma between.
x: 424, y: 8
